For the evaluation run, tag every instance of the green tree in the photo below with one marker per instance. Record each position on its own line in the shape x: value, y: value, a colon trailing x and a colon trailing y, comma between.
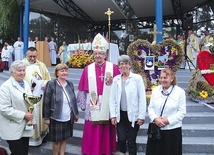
x: 9, y: 20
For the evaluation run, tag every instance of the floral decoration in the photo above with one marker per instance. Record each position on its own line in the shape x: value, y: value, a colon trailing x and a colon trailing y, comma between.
x: 139, y: 49
x: 199, y: 89
x: 203, y: 94
x: 80, y: 59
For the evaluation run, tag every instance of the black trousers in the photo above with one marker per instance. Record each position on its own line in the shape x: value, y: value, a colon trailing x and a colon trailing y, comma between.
x: 19, y: 147
x: 127, y: 134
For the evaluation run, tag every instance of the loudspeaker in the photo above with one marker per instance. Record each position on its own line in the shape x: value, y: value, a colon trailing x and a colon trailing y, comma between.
x: 187, y: 21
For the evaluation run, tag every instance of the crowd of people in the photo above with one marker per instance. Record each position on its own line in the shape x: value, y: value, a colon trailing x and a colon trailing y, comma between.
x: 112, y: 97
x: 192, y: 44
x: 54, y: 114
x: 11, y: 52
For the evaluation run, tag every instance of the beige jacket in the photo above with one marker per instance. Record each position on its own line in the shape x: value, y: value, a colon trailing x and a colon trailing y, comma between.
x: 12, y: 110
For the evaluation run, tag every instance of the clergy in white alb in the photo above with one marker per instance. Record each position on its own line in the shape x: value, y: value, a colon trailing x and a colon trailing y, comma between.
x: 192, y: 47
x: 206, y: 41
x: 31, y: 43
x: 5, y: 55
x: 18, y: 49
x: 11, y: 49
x: 53, y: 51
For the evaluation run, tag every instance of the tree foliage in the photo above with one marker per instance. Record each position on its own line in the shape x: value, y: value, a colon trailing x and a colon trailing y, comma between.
x: 9, y: 19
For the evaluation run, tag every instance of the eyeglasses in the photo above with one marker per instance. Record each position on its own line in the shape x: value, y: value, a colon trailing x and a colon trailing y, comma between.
x: 32, y: 56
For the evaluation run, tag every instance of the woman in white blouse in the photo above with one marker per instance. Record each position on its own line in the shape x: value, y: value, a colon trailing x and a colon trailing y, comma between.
x: 127, y: 105
x: 170, y: 122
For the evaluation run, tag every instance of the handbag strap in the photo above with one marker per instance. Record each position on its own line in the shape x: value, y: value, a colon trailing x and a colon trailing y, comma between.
x: 64, y: 93
x: 165, y: 100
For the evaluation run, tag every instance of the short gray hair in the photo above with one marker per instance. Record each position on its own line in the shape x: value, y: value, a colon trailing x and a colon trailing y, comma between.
x: 124, y: 58
x: 15, y: 65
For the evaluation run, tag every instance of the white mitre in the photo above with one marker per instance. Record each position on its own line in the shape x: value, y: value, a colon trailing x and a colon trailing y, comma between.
x: 100, y: 43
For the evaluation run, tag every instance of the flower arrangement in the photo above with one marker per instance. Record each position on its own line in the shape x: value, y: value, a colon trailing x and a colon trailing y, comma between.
x: 138, y: 51
x: 80, y: 59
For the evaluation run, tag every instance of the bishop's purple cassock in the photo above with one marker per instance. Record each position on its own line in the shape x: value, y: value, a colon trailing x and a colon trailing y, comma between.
x: 97, y: 138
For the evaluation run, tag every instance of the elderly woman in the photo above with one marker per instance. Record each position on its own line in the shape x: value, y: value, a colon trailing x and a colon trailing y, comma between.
x: 127, y: 105
x: 14, y: 110
x: 60, y: 109
x: 167, y: 109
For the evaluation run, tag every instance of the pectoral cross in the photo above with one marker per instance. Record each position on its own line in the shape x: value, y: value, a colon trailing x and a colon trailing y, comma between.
x: 102, y: 77
x: 155, y: 32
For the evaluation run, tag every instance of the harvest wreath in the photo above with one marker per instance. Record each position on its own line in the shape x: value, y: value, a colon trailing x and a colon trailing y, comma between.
x: 140, y: 49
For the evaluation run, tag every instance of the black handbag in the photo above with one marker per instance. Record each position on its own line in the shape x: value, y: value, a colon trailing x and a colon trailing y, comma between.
x: 153, y: 129
x: 153, y: 132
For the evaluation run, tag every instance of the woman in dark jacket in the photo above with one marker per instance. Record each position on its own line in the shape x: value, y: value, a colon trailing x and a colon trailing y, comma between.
x: 60, y: 109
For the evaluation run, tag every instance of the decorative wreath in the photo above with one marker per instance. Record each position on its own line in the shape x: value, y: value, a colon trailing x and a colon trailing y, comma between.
x: 201, y: 84
x: 199, y: 89
x: 140, y: 49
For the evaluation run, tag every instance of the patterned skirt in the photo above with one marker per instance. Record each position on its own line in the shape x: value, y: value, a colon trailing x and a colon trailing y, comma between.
x: 59, y: 131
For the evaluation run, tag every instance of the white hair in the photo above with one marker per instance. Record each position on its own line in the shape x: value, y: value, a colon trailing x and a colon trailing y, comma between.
x: 124, y: 58
x: 15, y: 65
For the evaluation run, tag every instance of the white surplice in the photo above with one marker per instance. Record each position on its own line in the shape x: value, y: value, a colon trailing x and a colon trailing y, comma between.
x: 53, y: 55
x: 18, y: 50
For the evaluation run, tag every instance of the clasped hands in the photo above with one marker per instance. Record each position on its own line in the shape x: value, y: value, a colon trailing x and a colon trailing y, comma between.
x: 161, y: 121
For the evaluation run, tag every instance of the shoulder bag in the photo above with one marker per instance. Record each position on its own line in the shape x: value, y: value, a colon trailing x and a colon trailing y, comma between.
x: 153, y: 129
